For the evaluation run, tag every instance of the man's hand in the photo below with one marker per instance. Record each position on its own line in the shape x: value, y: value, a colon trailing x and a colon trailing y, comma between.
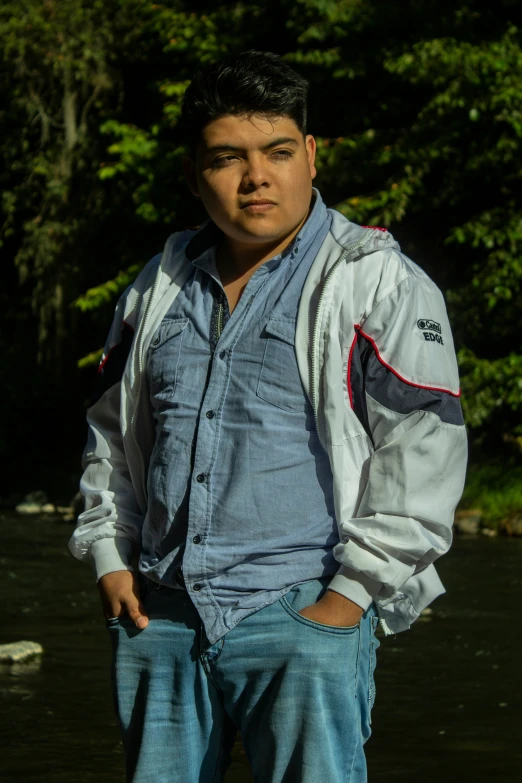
x: 120, y: 595
x: 333, y: 609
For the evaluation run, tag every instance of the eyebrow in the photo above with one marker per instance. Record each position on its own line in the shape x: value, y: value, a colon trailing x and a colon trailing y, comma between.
x: 232, y: 148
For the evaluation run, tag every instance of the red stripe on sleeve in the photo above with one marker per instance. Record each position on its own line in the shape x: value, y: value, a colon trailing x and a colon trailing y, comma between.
x: 358, y: 330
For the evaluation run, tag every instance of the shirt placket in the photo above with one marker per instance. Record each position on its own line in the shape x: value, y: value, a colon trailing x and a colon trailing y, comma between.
x: 225, y: 331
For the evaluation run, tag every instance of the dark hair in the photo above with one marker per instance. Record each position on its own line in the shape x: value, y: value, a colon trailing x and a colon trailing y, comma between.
x: 243, y: 84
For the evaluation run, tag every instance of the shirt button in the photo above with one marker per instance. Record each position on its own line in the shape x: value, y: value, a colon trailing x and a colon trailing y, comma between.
x: 196, y: 539
x: 200, y: 478
x: 210, y: 414
x: 222, y: 354
x: 197, y: 587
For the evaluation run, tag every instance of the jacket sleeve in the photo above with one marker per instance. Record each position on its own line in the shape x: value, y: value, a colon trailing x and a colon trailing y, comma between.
x: 402, y: 383
x: 109, y: 529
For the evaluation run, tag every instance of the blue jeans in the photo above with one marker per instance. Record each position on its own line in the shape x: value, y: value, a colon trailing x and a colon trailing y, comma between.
x: 299, y: 692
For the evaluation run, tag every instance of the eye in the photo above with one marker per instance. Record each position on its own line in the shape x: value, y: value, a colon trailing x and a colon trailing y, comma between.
x: 283, y: 154
x: 222, y: 161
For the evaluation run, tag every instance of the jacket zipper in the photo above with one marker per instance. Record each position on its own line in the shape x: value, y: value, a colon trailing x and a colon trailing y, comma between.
x: 378, y: 613
x: 344, y: 255
x: 220, y: 320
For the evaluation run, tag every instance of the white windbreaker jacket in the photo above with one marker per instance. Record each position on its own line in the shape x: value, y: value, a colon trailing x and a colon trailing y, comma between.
x: 376, y: 357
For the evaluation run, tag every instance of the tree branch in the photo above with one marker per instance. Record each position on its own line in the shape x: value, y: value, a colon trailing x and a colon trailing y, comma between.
x: 69, y: 111
x: 87, y: 106
x: 42, y: 114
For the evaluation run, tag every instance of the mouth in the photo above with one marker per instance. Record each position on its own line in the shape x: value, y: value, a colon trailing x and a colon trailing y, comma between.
x: 258, y: 206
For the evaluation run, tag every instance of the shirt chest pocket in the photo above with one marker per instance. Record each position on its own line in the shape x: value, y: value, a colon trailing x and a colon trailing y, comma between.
x: 163, y: 356
x: 279, y: 380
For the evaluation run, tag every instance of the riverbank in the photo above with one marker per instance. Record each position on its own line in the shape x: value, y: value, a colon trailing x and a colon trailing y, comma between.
x: 492, y: 501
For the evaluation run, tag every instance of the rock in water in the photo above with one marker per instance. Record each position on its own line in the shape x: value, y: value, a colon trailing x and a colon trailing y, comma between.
x: 28, y: 508
x: 33, y: 503
x: 19, y: 651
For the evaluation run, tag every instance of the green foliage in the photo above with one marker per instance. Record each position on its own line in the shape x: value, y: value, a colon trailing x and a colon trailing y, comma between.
x: 135, y: 147
x: 490, y: 387
x: 416, y: 108
x: 91, y: 360
x: 59, y: 60
x: 96, y: 297
x: 495, y: 490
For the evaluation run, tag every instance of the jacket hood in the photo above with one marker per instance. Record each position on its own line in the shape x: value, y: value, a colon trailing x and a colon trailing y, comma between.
x: 347, y: 233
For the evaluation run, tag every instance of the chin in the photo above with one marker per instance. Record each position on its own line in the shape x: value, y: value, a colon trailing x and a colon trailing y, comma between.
x: 261, y: 237
x: 261, y: 231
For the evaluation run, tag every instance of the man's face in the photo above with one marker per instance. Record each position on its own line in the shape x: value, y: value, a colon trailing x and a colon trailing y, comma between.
x: 242, y: 161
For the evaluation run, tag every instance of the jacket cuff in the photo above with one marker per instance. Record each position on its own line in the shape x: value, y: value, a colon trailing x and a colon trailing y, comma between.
x: 111, y: 554
x: 356, y: 586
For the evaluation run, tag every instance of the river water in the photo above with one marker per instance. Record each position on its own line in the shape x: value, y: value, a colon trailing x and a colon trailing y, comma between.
x: 449, y: 695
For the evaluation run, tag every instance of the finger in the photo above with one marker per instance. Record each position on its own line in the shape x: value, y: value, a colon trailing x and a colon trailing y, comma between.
x: 111, y: 609
x: 138, y: 615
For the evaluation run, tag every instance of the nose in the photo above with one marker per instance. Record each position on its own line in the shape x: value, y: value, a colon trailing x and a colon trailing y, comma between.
x: 255, y: 174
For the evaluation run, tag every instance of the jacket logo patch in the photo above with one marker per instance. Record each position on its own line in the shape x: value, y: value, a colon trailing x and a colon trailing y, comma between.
x: 429, y: 325
x: 431, y: 330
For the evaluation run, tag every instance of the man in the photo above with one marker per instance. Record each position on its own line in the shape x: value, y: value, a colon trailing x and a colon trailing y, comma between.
x: 274, y: 457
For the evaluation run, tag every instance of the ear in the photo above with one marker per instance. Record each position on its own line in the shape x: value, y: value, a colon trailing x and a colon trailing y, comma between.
x: 311, y: 148
x: 189, y: 171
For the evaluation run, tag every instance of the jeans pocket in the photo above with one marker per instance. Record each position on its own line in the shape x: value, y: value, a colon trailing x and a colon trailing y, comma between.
x: 342, y: 630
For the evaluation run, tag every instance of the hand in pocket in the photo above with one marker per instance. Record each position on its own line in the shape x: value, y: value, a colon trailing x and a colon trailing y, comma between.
x: 120, y: 595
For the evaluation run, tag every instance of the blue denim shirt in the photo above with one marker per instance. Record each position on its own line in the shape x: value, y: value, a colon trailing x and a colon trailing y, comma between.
x: 239, y: 487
